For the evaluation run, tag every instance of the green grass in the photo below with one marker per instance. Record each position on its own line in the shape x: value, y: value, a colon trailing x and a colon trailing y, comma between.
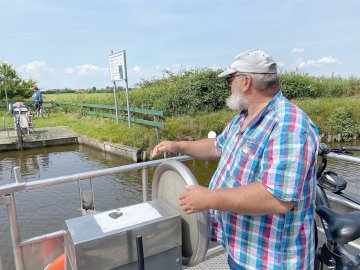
x: 333, y: 116
x: 95, y: 98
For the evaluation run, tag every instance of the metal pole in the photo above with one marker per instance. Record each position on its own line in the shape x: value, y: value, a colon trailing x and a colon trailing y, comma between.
x: 127, y: 90
x: 6, y: 97
x: 15, y: 236
x: 145, y: 181
x: 1, y: 263
x: 115, y: 100
x: 81, y: 205
x: 116, y: 105
x: 14, y: 228
x: 38, y: 239
x: 14, y: 187
x: 92, y: 192
x: 157, y: 129
x: 344, y: 157
x: 140, y: 252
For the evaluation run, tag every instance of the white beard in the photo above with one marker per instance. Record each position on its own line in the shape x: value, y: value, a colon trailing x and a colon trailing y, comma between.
x: 237, y: 102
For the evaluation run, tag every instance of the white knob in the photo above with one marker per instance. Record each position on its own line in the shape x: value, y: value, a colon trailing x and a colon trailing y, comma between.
x: 212, y: 134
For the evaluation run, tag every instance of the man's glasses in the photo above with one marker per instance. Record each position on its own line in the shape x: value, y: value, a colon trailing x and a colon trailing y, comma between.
x: 232, y: 76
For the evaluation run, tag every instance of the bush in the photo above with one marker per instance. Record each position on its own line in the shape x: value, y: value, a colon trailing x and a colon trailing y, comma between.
x: 183, y: 94
x: 191, y: 92
x: 301, y: 85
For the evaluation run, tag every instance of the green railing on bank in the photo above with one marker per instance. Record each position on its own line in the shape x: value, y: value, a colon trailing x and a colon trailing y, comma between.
x: 94, y: 111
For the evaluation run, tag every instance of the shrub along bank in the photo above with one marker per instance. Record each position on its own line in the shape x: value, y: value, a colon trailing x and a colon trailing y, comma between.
x: 194, y: 103
x: 336, y: 118
x: 191, y: 92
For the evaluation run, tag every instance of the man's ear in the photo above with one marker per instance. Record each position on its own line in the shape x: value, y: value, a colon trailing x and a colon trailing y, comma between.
x: 247, y: 83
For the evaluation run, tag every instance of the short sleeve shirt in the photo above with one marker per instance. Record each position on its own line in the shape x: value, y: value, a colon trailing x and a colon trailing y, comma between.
x: 37, y: 97
x: 279, y: 150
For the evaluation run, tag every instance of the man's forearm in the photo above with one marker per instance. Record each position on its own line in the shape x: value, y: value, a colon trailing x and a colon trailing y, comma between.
x: 252, y: 199
x: 202, y: 149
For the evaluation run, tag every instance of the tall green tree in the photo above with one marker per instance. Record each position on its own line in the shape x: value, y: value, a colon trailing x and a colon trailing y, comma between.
x: 11, y: 84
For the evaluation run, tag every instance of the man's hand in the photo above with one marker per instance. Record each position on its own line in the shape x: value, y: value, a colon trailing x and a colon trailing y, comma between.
x: 195, y: 199
x: 165, y: 146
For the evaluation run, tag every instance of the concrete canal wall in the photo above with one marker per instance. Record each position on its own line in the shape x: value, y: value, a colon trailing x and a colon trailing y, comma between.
x: 132, y: 153
x: 61, y: 135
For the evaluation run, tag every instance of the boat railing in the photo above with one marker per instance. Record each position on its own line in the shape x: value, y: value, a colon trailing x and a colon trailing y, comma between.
x: 7, y: 198
x: 7, y: 192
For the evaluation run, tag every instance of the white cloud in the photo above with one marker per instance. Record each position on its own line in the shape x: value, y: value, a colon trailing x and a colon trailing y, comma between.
x: 174, y: 68
x: 297, y: 50
x: 86, y: 70
x: 214, y: 67
x: 137, y: 70
x: 35, y: 68
x: 326, y: 60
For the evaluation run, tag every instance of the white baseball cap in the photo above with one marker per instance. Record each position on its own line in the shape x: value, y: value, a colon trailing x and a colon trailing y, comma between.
x: 253, y: 61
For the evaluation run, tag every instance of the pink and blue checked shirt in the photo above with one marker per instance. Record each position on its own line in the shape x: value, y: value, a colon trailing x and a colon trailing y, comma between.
x: 279, y: 150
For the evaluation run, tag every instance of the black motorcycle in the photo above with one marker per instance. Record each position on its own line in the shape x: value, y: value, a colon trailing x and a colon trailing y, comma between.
x: 339, y: 228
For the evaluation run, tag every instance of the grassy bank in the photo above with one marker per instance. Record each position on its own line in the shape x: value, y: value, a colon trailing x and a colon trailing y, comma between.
x: 338, y: 119
x: 193, y: 103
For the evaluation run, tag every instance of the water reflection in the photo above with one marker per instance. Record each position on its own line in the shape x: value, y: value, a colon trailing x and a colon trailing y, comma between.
x: 31, y: 162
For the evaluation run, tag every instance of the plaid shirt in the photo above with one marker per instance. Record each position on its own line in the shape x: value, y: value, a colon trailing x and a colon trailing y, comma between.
x: 278, y: 149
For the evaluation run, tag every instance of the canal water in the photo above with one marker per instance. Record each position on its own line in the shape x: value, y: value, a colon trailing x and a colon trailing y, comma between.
x: 44, y: 210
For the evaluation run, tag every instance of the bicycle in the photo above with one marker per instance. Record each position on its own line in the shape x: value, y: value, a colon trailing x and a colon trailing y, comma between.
x: 40, y: 111
x: 339, y: 228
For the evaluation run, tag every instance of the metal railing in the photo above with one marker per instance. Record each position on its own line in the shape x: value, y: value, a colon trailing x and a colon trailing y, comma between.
x: 7, y: 192
x: 99, y: 110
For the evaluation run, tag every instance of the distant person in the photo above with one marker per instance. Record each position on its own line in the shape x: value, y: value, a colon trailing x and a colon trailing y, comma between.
x: 261, y: 196
x: 37, y: 98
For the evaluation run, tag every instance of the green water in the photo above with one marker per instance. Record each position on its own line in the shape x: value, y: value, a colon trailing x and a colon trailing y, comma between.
x: 44, y: 210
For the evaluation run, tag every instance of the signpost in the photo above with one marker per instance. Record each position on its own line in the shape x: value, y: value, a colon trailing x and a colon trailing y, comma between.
x: 118, y: 72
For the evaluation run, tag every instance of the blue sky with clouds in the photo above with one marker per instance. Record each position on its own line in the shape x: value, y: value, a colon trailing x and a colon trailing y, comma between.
x: 66, y: 43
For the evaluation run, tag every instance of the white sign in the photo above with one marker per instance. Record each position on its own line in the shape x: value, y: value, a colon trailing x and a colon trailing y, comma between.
x: 117, y: 66
x: 125, y: 217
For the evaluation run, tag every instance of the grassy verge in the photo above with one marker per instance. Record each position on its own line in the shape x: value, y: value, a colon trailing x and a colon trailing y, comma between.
x: 338, y: 119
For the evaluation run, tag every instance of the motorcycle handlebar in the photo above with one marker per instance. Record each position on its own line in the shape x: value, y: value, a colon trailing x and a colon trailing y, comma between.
x: 323, y: 149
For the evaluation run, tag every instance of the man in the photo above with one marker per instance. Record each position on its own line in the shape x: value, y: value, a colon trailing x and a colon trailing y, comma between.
x: 37, y: 98
x: 261, y: 196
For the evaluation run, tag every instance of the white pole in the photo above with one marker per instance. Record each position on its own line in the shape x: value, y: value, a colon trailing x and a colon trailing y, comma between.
x: 6, y: 97
x: 115, y: 100
x: 116, y: 105
x: 127, y: 90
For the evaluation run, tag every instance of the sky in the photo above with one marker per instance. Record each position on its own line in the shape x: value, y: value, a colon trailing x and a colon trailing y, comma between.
x: 67, y: 43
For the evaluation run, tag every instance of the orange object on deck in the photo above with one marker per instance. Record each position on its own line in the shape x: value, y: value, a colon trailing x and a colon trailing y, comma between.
x: 57, y: 264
